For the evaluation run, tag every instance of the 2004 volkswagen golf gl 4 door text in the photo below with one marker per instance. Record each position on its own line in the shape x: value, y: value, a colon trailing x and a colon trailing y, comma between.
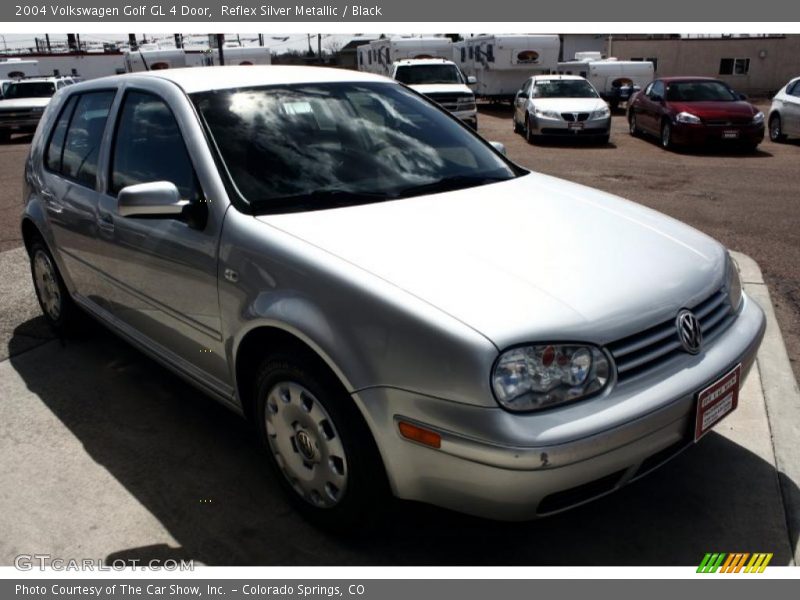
x: 397, y: 307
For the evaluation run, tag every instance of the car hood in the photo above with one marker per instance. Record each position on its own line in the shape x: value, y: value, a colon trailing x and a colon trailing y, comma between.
x: 442, y: 88
x: 716, y: 110
x: 24, y: 103
x: 533, y: 258
x: 569, y: 104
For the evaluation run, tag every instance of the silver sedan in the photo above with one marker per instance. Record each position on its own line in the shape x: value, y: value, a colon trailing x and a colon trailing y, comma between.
x: 397, y: 307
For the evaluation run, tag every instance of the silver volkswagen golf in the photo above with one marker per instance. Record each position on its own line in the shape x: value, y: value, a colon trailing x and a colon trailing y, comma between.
x: 397, y: 307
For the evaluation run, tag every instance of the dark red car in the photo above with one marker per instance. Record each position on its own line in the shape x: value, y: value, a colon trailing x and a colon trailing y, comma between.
x: 694, y: 111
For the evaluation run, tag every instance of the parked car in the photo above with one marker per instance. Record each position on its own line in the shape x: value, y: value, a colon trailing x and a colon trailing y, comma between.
x: 695, y: 111
x: 396, y: 306
x: 615, y: 80
x: 563, y: 105
x: 24, y: 101
x: 784, y: 114
x: 441, y: 81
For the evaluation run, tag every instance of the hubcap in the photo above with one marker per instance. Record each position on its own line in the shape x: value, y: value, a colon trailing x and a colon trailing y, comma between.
x: 44, y: 277
x: 665, y: 133
x: 633, y: 123
x: 776, y: 129
x: 306, y: 445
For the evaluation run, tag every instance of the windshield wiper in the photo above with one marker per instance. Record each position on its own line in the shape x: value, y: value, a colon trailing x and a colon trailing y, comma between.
x: 448, y: 184
x: 316, y: 200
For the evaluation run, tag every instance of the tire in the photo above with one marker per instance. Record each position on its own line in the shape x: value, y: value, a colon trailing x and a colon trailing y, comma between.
x: 776, y: 129
x: 666, y: 136
x: 633, y: 128
x: 603, y: 140
x: 58, y: 308
x: 318, y: 444
x: 5, y: 136
x: 529, y: 137
x: 517, y: 128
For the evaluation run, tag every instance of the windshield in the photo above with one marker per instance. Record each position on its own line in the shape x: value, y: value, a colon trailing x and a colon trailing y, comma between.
x: 700, y: 91
x: 421, y: 74
x: 564, y: 88
x: 316, y: 146
x: 31, y: 89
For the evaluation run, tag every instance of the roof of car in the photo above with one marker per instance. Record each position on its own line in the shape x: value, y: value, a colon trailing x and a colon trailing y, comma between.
x: 423, y: 61
x: 201, y: 79
x: 557, y: 77
x: 686, y: 78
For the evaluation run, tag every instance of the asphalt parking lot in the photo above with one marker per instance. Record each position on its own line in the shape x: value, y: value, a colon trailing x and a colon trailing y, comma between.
x: 104, y: 454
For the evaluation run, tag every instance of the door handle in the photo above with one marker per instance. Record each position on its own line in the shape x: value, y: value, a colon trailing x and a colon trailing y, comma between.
x: 50, y: 201
x: 105, y: 222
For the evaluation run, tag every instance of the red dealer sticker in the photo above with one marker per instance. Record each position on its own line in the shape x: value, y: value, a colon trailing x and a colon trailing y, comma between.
x: 716, y: 401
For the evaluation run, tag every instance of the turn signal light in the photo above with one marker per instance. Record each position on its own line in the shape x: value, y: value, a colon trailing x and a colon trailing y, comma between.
x: 418, y: 434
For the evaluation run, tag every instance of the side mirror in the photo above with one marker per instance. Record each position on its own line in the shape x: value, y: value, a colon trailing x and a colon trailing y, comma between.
x: 499, y: 146
x: 471, y: 80
x: 637, y: 88
x: 153, y: 199
x: 742, y: 96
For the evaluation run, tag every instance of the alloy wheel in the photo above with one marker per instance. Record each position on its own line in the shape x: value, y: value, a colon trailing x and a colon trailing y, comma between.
x: 47, y: 287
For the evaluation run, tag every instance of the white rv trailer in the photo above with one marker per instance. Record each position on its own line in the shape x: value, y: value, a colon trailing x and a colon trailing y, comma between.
x: 615, y: 80
x: 502, y: 63
x: 16, y: 68
x: 242, y: 55
x: 152, y: 58
x: 379, y: 55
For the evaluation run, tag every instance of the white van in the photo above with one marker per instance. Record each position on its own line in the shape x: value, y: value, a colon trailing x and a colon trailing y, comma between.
x: 441, y: 81
x: 615, y: 80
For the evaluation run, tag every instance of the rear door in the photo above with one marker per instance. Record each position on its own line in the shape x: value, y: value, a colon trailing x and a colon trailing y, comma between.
x: 652, y: 106
x: 69, y: 182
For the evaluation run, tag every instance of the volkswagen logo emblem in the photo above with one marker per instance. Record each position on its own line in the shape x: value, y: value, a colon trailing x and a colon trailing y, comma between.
x: 305, y: 445
x: 689, y: 331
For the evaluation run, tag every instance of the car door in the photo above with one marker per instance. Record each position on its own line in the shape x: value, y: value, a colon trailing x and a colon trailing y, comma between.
x: 69, y: 182
x: 652, y: 107
x: 160, y: 272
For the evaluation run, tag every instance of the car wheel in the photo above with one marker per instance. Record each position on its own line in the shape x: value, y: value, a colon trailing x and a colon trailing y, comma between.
x: 57, y: 305
x: 318, y: 444
x: 5, y: 136
x: 529, y: 137
x: 633, y: 128
x: 517, y: 128
x: 603, y: 140
x: 776, y: 129
x: 666, y: 136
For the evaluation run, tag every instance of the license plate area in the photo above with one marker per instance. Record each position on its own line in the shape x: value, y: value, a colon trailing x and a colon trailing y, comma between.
x: 717, y: 401
x: 730, y: 134
x: 575, y: 125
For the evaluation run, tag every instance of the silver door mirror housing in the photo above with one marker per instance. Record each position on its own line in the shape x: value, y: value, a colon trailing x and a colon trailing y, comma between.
x: 499, y: 146
x: 153, y: 199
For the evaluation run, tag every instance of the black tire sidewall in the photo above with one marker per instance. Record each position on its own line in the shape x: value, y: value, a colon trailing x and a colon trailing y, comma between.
x: 366, y: 481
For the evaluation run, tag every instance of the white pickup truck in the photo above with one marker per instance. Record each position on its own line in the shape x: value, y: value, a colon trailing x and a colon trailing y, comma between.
x: 441, y: 81
x: 24, y: 101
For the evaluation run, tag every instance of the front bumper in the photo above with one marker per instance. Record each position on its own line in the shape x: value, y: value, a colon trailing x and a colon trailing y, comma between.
x: 470, y: 117
x: 695, y: 135
x: 559, y: 127
x: 496, y: 464
x: 23, y: 123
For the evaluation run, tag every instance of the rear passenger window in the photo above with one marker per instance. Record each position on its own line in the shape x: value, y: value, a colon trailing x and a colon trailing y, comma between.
x: 80, y: 148
x: 55, y: 148
x: 148, y: 146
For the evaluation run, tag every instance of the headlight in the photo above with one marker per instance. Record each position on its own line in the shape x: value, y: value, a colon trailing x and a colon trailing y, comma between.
x: 758, y: 118
x: 686, y: 117
x: 733, y: 285
x: 547, y: 114
x: 603, y: 113
x: 533, y: 377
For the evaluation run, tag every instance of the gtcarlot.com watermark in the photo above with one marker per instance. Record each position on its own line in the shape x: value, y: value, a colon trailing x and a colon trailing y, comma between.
x: 29, y: 562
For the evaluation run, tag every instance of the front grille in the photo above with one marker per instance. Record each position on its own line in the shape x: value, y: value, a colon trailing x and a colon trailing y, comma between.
x: 650, y: 348
x: 575, y: 116
x: 728, y: 122
x: 453, y: 101
x: 17, y: 115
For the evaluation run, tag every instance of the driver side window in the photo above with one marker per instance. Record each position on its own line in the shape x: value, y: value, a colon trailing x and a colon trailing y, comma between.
x: 656, y: 90
x: 148, y: 146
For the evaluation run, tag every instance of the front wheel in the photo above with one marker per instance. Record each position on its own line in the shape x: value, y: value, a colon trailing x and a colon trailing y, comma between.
x: 633, y: 127
x: 776, y: 129
x: 5, y: 136
x: 318, y: 444
x: 666, y: 136
x: 529, y: 136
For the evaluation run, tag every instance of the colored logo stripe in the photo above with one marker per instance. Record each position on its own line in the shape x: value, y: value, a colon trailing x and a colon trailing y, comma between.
x: 734, y: 562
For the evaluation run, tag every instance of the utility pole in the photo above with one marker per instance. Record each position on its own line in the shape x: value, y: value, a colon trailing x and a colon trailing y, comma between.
x: 178, y: 41
x: 220, y: 44
x: 261, y: 39
x: 319, y: 47
x: 71, y: 43
x: 132, y: 42
x: 47, y: 39
x: 310, y: 51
